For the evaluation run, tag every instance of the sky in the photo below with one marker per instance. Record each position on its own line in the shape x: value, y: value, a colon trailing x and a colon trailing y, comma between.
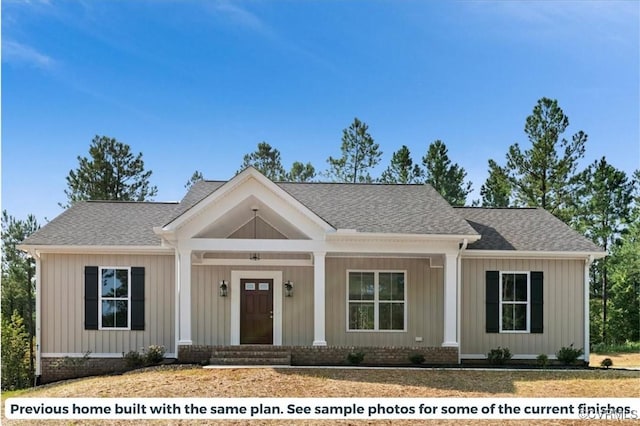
x: 195, y: 85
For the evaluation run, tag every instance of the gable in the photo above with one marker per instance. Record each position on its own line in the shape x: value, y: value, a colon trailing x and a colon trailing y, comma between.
x: 262, y: 230
x: 229, y: 209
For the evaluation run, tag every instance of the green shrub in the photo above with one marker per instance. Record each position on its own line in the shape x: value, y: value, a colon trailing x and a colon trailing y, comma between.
x: 355, y: 358
x: 15, y: 354
x: 606, y: 363
x: 133, y: 359
x: 542, y: 360
x: 154, y: 354
x: 499, y: 356
x: 416, y: 358
x: 569, y: 355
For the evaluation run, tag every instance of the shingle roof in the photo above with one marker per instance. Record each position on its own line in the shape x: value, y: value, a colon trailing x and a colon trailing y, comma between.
x: 196, y: 193
x: 403, y: 209
x: 376, y: 208
x: 89, y: 223
x: 523, y: 229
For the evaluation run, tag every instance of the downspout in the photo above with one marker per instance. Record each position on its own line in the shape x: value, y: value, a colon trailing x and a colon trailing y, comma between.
x: 38, y: 366
x: 587, y: 327
x: 463, y: 247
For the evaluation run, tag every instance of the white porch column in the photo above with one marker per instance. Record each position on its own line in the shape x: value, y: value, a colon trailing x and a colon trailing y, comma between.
x: 319, y: 299
x: 450, y: 300
x: 183, y: 270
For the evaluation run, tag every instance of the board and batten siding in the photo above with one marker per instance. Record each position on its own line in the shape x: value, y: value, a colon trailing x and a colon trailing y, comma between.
x: 211, y: 314
x: 563, y: 307
x: 425, y: 297
x: 62, y: 298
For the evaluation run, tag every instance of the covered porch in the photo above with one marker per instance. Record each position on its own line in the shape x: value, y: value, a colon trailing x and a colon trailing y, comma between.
x: 249, y: 235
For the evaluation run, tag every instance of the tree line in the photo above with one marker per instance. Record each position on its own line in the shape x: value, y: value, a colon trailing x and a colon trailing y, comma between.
x: 600, y: 201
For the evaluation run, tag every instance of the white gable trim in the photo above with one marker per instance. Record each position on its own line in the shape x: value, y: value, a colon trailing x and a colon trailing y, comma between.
x: 235, y: 191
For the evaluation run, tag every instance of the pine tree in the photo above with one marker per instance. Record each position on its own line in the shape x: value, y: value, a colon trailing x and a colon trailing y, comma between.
x: 301, y: 172
x: 540, y: 176
x: 111, y: 173
x: 195, y: 177
x: 360, y: 154
x: 402, y: 169
x: 496, y: 191
x: 446, y: 178
x: 266, y: 160
x: 602, y: 211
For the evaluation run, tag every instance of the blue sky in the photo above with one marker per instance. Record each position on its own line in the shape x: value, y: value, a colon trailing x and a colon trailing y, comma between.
x: 195, y: 85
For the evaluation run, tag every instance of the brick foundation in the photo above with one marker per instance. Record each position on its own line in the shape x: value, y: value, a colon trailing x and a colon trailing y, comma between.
x: 195, y: 354
x: 337, y: 355
x: 54, y: 369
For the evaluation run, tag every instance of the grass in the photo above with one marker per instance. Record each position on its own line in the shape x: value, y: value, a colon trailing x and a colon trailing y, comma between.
x: 168, y: 381
x: 626, y: 347
x: 620, y: 360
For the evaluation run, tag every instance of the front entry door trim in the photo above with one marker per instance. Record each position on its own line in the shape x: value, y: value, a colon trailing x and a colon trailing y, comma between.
x: 236, y: 276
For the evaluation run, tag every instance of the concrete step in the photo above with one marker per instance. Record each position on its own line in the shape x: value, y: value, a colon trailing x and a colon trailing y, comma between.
x: 250, y: 355
x: 250, y: 361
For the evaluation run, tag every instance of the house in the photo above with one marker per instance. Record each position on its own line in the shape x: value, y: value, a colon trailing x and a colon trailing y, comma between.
x: 316, y: 269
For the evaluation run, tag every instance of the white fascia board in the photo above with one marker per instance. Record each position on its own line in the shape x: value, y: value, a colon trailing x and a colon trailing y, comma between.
x: 231, y: 185
x: 518, y: 254
x: 351, y: 235
x: 97, y: 249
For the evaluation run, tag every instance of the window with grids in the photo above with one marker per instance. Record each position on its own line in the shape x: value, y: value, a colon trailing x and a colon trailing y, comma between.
x: 376, y: 300
x: 514, y: 301
x: 114, y: 298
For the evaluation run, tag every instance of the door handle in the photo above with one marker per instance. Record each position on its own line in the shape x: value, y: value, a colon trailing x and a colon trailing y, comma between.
x: 271, y: 314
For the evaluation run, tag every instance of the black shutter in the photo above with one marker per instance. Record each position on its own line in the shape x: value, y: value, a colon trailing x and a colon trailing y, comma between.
x: 536, y: 302
x: 137, y: 298
x: 492, y: 300
x: 91, y: 297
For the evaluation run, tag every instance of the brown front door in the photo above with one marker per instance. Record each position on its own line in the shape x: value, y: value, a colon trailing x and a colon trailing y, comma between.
x: 256, y: 311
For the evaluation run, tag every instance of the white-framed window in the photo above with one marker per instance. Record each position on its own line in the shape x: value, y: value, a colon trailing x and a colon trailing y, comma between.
x: 515, y: 302
x: 114, y: 293
x: 376, y: 301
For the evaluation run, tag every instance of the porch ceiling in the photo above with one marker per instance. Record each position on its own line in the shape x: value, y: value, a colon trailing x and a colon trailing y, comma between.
x: 242, y: 214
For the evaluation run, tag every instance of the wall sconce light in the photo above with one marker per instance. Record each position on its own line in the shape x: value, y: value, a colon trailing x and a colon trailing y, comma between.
x: 288, y: 288
x: 224, y: 288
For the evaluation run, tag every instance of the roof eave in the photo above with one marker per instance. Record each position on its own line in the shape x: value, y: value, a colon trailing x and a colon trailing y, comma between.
x: 536, y: 254
x: 84, y: 249
x: 350, y: 234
